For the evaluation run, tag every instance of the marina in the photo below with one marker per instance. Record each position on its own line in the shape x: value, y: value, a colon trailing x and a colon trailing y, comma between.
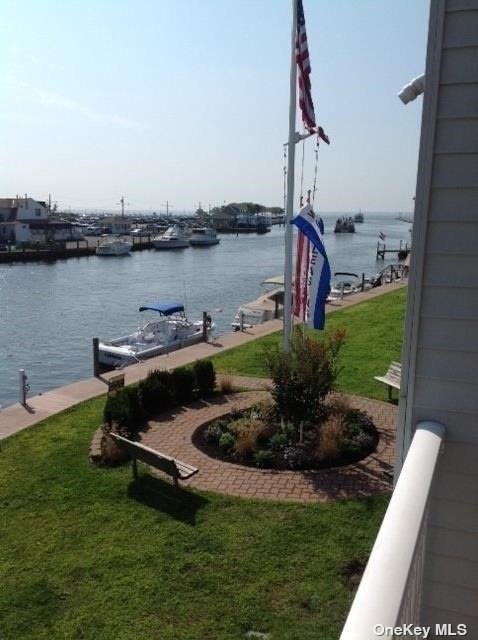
x: 51, y: 310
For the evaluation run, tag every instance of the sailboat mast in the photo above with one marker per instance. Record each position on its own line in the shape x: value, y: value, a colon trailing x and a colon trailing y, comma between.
x: 289, y: 231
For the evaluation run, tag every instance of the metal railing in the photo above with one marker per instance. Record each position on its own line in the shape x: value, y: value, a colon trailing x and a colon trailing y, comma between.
x: 389, y: 594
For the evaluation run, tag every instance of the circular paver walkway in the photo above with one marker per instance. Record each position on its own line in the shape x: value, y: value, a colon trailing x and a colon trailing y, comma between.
x: 172, y: 435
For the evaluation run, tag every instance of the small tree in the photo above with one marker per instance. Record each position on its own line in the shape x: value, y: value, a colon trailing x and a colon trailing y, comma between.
x: 303, y: 377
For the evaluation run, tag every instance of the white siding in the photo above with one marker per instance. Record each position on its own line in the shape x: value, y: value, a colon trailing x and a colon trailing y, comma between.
x: 442, y: 350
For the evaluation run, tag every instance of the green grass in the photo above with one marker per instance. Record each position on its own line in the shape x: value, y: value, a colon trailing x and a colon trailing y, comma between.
x: 86, y: 553
x: 374, y: 338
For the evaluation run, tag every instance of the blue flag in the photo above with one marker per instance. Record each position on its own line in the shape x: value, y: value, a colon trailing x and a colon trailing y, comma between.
x: 319, y: 268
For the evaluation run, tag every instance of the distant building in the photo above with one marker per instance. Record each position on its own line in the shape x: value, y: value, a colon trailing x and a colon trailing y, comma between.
x: 119, y: 225
x: 25, y: 220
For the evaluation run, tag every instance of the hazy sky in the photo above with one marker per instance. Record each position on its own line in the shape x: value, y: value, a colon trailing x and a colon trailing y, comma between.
x: 187, y: 101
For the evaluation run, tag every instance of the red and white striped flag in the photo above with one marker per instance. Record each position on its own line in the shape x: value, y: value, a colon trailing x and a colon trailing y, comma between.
x: 303, y: 64
x: 301, y: 283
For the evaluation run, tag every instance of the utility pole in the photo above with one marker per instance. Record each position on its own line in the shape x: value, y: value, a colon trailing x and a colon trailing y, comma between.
x: 167, y: 204
x: 122, y: 203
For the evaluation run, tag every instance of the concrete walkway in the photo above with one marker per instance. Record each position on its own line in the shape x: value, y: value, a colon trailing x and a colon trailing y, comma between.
x: 18, y: 417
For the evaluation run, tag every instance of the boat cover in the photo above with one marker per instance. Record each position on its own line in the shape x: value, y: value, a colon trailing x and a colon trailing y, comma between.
x: 165, y: 307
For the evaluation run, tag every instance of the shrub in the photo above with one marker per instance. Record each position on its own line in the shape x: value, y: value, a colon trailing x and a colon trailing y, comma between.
x: 123, y: 412
x: 303, y: 377
x: 246, y: 431
x: 278, y: 441
x: 205, y: 377
x: 360, y: 435
x: 182, y: 385
x: 331, y: 438
x: 213, y: 433
x: 227, y: 441
x: 265, y: 458
x: 296, y: 457
x: 225, y: 385
x: 156, y: 392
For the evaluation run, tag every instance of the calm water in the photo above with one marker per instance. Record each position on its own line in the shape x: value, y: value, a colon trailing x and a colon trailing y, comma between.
x: 49, y: 312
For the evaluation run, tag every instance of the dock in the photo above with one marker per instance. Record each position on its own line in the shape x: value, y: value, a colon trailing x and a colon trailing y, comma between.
x: 18, y: 416
x: 401, y: 253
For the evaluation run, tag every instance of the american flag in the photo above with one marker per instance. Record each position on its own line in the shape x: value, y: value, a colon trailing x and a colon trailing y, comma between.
x: 303, y: 64
x: 382, y: 236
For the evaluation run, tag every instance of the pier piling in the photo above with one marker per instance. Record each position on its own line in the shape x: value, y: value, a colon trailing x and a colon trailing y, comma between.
x: 96, y: 363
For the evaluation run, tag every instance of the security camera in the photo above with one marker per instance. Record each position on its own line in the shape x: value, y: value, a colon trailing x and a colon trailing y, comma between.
x: 413, y: 89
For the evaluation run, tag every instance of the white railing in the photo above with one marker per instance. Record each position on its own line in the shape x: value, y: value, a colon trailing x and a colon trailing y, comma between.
x: 390, y: 591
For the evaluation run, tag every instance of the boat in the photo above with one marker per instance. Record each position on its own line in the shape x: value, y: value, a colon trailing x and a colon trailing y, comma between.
x: 358, y: 217
x: 203, y: 237
x: 343, y: 288
x: 116, y: 247
x: 173, y: 238
x: 168, y: 332
x: 344, y: 225
x: 268, y: 306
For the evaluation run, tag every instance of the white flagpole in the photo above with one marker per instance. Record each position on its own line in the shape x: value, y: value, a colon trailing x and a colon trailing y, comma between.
x: 290, y: 188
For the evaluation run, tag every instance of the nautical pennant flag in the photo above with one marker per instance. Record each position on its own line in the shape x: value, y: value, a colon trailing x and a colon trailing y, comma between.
x: 318, y: 278
x: 301, y: 285
x: 303, y: 64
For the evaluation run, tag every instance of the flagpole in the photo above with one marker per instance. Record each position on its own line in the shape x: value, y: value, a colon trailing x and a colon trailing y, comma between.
x: 289, y: 231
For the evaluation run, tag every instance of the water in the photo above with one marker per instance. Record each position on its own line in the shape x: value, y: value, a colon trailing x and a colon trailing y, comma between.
x: 49, y: 312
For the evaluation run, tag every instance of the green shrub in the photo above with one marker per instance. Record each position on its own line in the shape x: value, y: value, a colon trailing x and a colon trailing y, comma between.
x: 213, y: 433
x: 227, y: 441
x: 205, y: 377
x: 182, y: 385
x: 156, y: 392
x: 123, y: 412
x: 303, y: 377
x: 278, y: 441
x: 265, y: 459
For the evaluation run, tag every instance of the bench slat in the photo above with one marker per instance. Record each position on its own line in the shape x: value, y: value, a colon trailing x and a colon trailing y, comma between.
x: 175, y: 468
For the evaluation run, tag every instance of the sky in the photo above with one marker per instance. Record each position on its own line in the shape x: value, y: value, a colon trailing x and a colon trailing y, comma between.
x: 187, y: 101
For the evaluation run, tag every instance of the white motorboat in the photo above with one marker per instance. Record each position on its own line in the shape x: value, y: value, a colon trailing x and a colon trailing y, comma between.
x: 343, y: 288
x: 173, y: 238
x: 203, y: 237
x: 268, y: 306
x: 115, y: 247
x: 171, y: 331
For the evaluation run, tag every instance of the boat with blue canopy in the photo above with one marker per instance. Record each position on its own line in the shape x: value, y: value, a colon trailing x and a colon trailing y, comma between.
x: 170, y: 331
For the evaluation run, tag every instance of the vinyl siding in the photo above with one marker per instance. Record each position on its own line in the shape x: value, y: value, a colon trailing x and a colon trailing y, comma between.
x: 444, y: 382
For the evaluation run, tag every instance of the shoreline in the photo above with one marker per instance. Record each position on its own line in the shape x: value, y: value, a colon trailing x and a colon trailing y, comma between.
x: 17, y: 417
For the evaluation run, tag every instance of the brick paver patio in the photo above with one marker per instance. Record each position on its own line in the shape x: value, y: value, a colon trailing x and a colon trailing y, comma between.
x: 172, y: 434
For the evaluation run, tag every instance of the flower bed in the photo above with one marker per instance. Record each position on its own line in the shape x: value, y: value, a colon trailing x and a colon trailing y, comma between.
x: 258, y: 437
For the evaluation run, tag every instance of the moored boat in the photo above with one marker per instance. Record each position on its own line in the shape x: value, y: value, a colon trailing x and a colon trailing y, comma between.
x: 203, y: 237
x: 173, y: 238
x: 344, y: 225
x: 171, y: 331
x: 268, y: 306
x: 116, y: 247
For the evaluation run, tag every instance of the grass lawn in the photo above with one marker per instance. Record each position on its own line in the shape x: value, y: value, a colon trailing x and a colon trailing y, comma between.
x: 374, y: 338
x: 86, y: 553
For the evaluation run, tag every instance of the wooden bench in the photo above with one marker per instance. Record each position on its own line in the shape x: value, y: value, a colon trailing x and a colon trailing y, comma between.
x: 175, y: 468
x: 391, y: 378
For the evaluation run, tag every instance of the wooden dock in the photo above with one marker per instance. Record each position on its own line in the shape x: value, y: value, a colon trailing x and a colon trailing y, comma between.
x: 402, y: 251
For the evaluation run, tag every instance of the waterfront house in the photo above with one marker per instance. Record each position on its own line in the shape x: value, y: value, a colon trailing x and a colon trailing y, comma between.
x: 25, y: 220
x: 20, y: 218
x: 424, y: 565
